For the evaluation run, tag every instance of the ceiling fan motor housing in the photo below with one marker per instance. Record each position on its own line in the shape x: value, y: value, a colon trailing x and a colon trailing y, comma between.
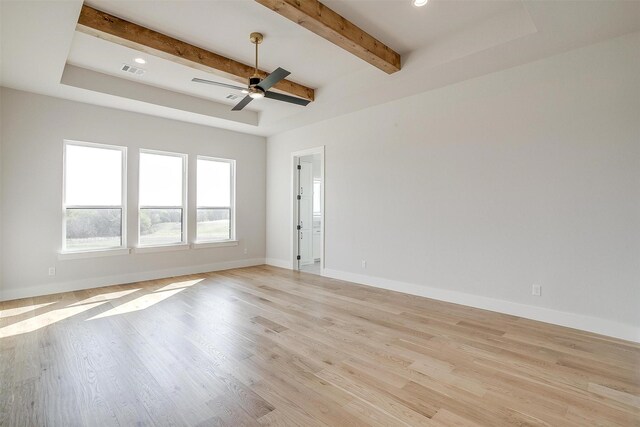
x: 254, y: 81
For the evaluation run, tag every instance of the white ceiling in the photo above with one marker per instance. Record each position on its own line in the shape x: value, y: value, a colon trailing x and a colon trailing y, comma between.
x: 406, y: 28
x: 442, y: 43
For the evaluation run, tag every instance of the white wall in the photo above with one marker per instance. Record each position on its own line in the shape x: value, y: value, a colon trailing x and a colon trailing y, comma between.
x: 474, y: 192
x: 33, y: 130
x: 1, y: 185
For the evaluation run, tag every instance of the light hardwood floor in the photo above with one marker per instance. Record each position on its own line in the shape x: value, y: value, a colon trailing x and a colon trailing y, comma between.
x: 267, y: 346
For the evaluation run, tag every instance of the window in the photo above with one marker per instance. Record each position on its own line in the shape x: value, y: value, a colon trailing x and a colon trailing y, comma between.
x: 162, y: 198
x: 215, y: 199
x: 94, y: 197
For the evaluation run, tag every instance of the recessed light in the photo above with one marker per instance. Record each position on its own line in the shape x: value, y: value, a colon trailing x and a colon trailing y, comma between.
x: 142, y: 61
x: 420, y: 3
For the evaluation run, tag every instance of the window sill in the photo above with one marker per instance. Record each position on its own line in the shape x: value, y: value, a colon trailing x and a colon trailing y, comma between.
x: 220, y: 244
x: 93, y: 254
x: 161, y: 248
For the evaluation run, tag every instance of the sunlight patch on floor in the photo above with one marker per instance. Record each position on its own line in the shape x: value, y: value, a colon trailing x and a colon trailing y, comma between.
x: 105, y: 297
x: 45, y: 319
x: 140, y: 303
x: 179, y: 285
x: 22, y: 310
x: 56, y: 315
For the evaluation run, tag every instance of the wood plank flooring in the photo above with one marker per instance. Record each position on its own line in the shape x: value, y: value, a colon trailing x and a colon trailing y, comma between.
x: 267, y: 346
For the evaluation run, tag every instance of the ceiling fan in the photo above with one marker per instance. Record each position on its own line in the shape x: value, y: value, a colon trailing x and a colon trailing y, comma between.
x: 257, y: 87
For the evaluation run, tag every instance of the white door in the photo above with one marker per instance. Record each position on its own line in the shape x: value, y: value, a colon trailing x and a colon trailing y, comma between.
x: 305, y: 213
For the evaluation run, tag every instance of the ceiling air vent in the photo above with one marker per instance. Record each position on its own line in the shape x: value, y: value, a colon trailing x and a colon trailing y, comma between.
x: 132, y: 70
x: 232, y: 96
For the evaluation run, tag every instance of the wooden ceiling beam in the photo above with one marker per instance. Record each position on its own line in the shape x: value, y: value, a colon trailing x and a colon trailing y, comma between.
x: 318, y: 18
x: 108, y: 27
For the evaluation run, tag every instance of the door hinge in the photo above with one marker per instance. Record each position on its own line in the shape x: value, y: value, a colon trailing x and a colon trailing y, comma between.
x: 299, y: 197
x: 299, y: 166
x: 298, y: 257
x: 298, y: 227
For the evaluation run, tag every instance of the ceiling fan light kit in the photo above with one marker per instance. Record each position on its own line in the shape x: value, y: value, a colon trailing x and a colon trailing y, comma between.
x: 256, y: 92
x: 257, y: 87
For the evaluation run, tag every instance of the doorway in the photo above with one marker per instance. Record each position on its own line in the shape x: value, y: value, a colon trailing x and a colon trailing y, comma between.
x: 308, y: 210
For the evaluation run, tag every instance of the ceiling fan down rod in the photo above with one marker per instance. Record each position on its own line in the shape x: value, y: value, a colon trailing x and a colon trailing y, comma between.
x: 256, y: 38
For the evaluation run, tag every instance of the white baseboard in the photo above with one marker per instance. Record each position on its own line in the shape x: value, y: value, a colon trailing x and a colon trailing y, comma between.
x: 96, y: 282
x: 563, y: 318
x: 572, y: 320
x: 278, y: 263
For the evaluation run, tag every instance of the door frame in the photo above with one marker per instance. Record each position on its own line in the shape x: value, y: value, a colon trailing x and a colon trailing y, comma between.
x: 294, y: 204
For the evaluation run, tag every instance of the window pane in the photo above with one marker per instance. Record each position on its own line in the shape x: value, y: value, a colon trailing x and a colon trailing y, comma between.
x: 214, y: 183
x: 160, y: 226
x: 160, y: 180
x: 93, y: 176
x: 213, y: 224
x: 93, y: 229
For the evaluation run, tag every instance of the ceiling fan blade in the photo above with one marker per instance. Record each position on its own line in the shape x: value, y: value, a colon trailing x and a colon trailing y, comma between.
x: 210, y: 82
x: 273, y: 78
x: 240, y: 105
x: 286, y: 98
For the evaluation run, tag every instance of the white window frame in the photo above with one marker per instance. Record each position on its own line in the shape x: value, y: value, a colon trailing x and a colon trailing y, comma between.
x: 123, y: 202
x: 184, y: 157
x: 232, y: 207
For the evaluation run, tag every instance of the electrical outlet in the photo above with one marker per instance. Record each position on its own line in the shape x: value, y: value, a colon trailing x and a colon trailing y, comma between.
x: 52, y: 271
x: 364, y: 263
x: 536, y: 290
